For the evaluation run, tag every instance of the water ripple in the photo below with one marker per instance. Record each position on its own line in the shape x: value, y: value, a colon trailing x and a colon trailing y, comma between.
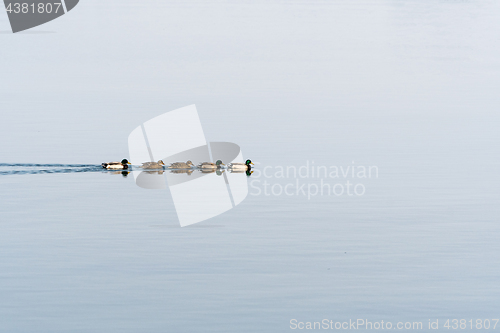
x: 34, y: 169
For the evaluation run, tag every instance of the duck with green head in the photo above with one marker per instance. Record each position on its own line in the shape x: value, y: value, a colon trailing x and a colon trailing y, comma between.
x: 241, y: 166
x: 116, y: 165
x: 210, y: 165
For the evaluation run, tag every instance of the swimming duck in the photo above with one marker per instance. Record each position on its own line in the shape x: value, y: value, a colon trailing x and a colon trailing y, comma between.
x: 240, y: 166
x: 157, y: 172
x: 116, y: 165
x: 181, y: 165
x: 153, y: 165
x: 209, y: 165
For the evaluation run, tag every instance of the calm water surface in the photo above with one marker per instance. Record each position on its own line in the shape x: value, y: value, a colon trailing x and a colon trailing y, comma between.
x: 410, y: 87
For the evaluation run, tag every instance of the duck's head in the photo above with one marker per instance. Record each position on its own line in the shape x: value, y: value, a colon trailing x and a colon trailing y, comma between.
x: 125, y: 161
x: 189, y: 163
x: 249, y: 173
x: 248, y: 162
x: 219, y: 163
x: 160, y: 162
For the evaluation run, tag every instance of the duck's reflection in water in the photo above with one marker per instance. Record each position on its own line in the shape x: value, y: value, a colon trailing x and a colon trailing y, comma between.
x: 248, y: 173
x: 157, y: 172
x: 188, y: 171
x: 123, y: 173
x: 218, y: 172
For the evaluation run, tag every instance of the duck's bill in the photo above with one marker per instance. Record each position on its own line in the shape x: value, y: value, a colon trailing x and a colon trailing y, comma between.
x: 252, y: 163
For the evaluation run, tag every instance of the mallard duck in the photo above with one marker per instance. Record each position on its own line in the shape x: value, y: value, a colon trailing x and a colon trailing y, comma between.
x: 181, y: 165
x: 153, y: 165
x: 240, y: 166
x: 209, y: 165
x: 116, y: 165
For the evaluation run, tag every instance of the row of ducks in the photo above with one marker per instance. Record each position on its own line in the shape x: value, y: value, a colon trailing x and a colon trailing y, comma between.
x: 181, y: 165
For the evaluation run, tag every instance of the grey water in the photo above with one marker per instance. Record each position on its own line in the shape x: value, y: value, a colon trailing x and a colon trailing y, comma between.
x: 34, y: 169
x: 408, y: 87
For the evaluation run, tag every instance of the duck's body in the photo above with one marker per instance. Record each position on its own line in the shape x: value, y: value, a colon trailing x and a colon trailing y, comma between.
x: 210, y: 165
x: 240, y: 166
x: 116, y: 165
x: 181, y: 165
x: 153, y: 165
